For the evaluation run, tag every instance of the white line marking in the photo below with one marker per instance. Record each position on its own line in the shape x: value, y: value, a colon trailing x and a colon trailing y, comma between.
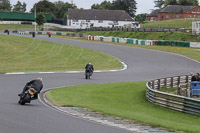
x: 16, y: 73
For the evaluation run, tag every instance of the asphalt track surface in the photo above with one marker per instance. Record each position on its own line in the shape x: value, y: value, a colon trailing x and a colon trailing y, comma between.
x: 143, y: 65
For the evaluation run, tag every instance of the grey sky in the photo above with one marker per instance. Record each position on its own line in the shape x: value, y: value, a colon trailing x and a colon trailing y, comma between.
x: 143, y: 6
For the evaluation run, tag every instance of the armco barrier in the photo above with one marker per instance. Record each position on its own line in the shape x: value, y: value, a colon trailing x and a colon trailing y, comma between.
x: 151, y: 42
x: 194, y: 44
x: 22, y: 33
x: 56, y: 33
x: 107, y: 39
x: 122, y: 40
x: 171, y: 101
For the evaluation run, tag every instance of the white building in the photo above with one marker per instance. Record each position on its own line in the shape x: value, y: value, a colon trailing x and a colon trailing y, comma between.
x: 81, y: 18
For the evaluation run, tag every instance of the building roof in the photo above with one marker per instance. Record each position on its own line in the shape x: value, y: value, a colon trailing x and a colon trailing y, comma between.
x: 176, y: 9
x: 93, y: 14
x: 154, y: 13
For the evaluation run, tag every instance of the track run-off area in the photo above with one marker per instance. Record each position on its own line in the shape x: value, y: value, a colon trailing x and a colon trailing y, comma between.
x: 142, y: 65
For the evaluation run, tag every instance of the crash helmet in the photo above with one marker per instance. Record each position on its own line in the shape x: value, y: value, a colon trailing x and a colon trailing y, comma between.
x: 39, y: 78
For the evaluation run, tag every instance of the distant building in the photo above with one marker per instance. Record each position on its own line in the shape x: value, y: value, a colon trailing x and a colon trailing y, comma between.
x: 174, y: 12
x: 81, y: 18
x: 153, y: 16
x: 14, y: 16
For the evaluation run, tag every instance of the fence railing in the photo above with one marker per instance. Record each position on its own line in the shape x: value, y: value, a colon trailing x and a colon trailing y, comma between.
x: 171, y: 101
x: 139, y: 29
x: 56, y: 33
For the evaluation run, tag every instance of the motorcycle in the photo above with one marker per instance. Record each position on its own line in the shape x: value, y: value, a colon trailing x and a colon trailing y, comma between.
x: 27, y: 96
x: 88, y: 74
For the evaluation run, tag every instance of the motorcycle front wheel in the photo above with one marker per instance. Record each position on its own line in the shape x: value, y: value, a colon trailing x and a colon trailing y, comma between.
x: 25, y: 99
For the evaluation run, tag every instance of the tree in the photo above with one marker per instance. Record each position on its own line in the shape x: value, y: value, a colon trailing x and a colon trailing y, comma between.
x: 188, y: 2
x: 171, y: 2
x: 159, y: 3
x: 141, y: 17
x: 19, y: 7
x: 40, y: 19
x: 105, y: 5
x: 128, y: 5
x: 44, y: 6
x: 62, y: 8
x: 5, y: 6
x: 24, y: 7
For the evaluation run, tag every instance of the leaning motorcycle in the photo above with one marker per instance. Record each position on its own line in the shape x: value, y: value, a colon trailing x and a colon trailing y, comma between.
x: 27, y: 96
x: 88, y: 74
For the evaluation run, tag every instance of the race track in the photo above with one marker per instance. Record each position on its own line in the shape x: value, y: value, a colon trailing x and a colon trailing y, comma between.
x: 143, y: 65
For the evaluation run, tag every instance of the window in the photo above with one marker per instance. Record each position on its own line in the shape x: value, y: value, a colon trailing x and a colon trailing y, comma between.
x: 199, y: 10
x: 189, y: 16
x: 153, y: 19
x: 167, y: 16
x: 198, y: 16
x: 74, y: 20
x: 115, y: 23
x: 100, y: 21
x: 87, y: 20
x: 176, y: 16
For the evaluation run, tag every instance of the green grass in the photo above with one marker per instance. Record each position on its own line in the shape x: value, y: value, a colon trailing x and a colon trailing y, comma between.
x: 124, y: 100
x: 20, y: 54
x: 173, y: 90
x: 193, y: 53
x: 173, y: 23
x: 179, y: 36
x: 16, y: 26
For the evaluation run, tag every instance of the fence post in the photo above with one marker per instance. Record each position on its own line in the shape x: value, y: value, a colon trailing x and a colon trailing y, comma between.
x: 179, y: 78
x: 166, y: 82
x: 158, y: 84
x: 153, y: 84
x: 187, y: 79
x: 172, y: 82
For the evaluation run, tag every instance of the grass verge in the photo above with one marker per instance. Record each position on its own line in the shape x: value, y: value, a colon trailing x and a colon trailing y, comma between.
x: 16, y: 26
x: 173, y: 23
x: 20, y: 54
x: 179, y: 36
x: 124, y: 100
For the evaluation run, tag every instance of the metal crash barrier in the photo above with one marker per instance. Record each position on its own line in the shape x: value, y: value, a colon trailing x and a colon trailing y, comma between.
x: 172, y: 101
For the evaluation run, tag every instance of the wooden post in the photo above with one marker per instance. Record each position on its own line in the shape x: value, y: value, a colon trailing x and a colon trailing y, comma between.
x: 158, y: 84
x: 153, y: 84
x: 172, y: 82
x: 166, y: 82
x: 179, y: 78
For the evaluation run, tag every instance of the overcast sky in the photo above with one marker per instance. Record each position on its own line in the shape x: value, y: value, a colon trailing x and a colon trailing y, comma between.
x: 143, y: 6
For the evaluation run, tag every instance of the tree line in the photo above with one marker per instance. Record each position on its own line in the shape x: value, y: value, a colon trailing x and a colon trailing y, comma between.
x: 59, y: 8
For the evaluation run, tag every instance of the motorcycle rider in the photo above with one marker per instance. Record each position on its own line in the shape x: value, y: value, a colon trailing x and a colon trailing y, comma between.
x: 89, y: 67
x: 36, y: 84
